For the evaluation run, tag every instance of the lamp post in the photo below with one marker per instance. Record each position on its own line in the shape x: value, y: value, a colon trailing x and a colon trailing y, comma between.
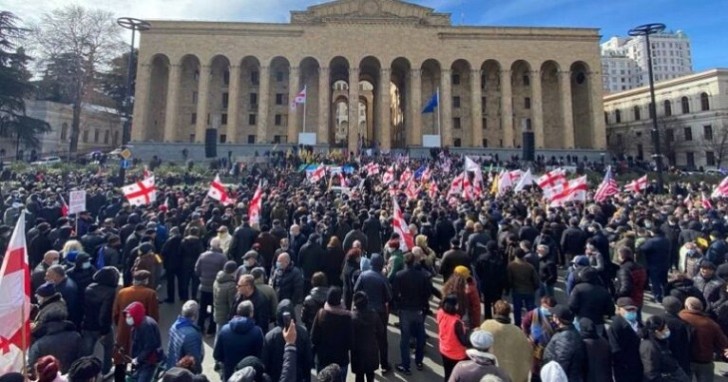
x: 646, y: 30
x: 134, y: 25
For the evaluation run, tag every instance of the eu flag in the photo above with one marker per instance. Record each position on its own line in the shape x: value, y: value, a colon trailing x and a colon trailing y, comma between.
x: 420, y: 171
x: 431, y: 104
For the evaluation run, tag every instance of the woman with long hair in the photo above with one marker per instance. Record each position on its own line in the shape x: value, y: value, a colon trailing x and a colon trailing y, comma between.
x: 462, y: 285
x: 334, y: 261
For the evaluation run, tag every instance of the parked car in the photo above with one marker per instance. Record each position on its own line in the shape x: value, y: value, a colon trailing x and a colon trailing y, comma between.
x: 46, y: 161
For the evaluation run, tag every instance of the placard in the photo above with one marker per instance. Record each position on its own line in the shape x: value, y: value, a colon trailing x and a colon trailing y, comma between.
x: 77, y: 202
x: 307, y: 139
x: 430, y: 141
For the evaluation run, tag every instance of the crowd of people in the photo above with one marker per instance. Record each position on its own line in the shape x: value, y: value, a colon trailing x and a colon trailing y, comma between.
x: 312, y: 287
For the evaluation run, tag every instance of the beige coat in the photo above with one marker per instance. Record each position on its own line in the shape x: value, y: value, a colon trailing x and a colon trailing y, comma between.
x: 511, y: 348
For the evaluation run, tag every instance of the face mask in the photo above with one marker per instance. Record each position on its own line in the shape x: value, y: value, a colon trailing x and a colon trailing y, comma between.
x: 55, y: 262
x: 631, y: 316
x: 85, y: 265
x: 279, y: 265
x: 130, y: 321
x: 545, y: 312
x: 663, y: 335
x: 250, y: 262
x: 284, y: 247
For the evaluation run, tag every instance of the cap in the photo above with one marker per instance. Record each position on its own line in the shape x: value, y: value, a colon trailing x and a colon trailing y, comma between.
x: 250, y: 254
x: 481, y: 340
x: 626, y: 302
x: 580, y: 260
x: 46, y: 290
x: 563, y: 313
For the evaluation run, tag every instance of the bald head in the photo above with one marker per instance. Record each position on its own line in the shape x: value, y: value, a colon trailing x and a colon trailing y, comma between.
x: 284, y: 259
x: 356, y: 244
x: 51, y: 257
x: 694, y: 304
x: 215, y: 243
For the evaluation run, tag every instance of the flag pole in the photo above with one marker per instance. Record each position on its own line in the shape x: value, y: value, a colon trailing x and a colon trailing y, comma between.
x: 305, y: 101
x: 438, y: 116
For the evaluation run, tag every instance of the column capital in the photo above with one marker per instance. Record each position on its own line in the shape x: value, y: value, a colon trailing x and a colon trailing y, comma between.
x: 353, y: 70
x: 505, y: 71
x: 234, y: 67
x: 385, y: 70
x: 476, y: 71
x: 292, y: 68
x: 446, y: 70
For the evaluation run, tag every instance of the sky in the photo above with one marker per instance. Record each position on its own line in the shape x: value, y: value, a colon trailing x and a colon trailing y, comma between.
x: 700, y: 19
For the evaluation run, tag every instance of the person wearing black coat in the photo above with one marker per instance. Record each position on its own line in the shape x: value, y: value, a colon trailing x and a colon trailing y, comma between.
x: 97, y: 318
x: 171, y: 251
x: 372, y: 228
x: 355, y: 234
x: 657, y: 360
x: 82, y: 274
x: 242, y: 241
x: 190, y: 250
x: 680, y: 332
x: 591, y: 300
x: 453, y: 258
x: 248, y: 292
x: 310, y: 259
x: 445, y: 230
x: 39, y: 245
x: 490, y: 270
x: 368, y: 335
x: 332, y: 333
x: 333, y: 261
x: 672, y: 232
x: 61, y: 340
x: 547, y: 270
x: 273, y: 346
x: 625, y: 342
x: 573, y: 241
x: 477, y: 243
x: 566, y: 347
x: 655, y: 251
x: 127, y: 254
x: 599, y: 365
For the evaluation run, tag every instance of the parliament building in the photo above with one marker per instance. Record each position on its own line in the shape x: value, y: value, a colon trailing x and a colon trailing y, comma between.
x: 243, y: 79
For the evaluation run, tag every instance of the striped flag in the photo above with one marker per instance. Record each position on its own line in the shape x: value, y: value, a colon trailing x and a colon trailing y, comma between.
x: 705, y: 202
x: 721, y: 189
x: 607, y: 188
x: 400, y: 226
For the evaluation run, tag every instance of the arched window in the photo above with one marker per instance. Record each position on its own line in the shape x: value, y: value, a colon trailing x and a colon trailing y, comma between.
x: 668, y: 108
x: 685, y: 105
x: 618, y: 116
x: 637, y: 113
x: 704, y: 102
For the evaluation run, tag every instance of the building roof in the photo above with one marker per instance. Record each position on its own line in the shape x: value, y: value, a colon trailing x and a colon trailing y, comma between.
x: 663, y: 85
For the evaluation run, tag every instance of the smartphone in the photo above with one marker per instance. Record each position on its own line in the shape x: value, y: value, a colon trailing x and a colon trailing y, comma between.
x: 286, y: 319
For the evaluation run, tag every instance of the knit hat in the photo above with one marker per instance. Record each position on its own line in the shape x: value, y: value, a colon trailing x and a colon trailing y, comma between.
x: 250, y: 254
x: 626, y: 302
x: 84, y: 369
x: 462, y: 271
x: 47, y: 368
x: 246, y: 374
x: 333, y: 298
x: 563, y: 313
x: 230, y: 267
x: 251, y: 361
x: 142, y: 275
x: 46, y: 290
x: 481, y: 340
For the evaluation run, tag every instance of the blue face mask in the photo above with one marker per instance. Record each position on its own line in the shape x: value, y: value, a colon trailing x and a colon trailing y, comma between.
x: 86, y: 265
x: 545, y: 312
x: 279, y: 265
x: 631, y: 316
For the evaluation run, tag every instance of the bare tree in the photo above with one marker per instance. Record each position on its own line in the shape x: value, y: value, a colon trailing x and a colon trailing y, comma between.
x: 88, y: 39
x: 719, y: 142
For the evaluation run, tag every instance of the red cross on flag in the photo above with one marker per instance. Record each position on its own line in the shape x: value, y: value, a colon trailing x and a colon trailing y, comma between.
x: 637, y: 185
x: 317, y: 174
x: 372, y: 169
x: 255, y: 204
x: 433, y: 191
x: 705, y: 202
x: 388, y: 176
x: 721, y: 190
x: 141, y: 193
x: 574, y: 191
x: 218, y: 192
x: 407, y: 242
x: 14, y: 302
x: 301, y: 97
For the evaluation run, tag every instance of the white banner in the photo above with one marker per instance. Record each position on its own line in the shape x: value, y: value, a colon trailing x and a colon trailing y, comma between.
x: 77, y: 202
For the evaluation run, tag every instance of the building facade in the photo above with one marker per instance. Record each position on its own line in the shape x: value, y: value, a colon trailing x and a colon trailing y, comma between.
x: 624, y: 60
x: 692, y: 114
x: 101, y: 129
x: 494, y: 82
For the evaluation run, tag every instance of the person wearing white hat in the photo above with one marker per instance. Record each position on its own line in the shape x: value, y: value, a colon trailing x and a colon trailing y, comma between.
x: 481, y: 362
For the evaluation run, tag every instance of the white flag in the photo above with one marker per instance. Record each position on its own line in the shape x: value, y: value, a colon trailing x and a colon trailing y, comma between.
x: 141, y: 193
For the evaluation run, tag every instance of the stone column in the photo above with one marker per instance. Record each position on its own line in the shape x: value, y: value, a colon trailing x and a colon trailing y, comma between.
x: 353, y: 142
x: 445, y: 105
x: 203, y: 93
x: 384, y: 130
x: 537, y: 109
x: 170, y: 119
x: 233, y: 104
x: 476, y: 108
x: 293, y: 89
x: 263, y: 95
x: 415, y: 107
x: 324, y: 106
x: 599, y: 135
x: 506, y: 108
x: 566, y: 109
x: 140, y: 125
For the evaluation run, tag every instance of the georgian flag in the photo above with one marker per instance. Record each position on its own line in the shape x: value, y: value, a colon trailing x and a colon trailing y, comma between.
x: 255, y: 204
x: 411, y: 191
x: 299, y: 99
x: 141, y: 193
x: 574, y: 191
x: 433, y: 191
x: 388, y: 176
x: 721, y: 189
x: 317, y: 174
x: 15, y: 302
x: 218, y: 192
x: 400, y: 227
x: 637, y: 185
x: 372, y: 169
x: 405, y: 177
x: 705, y: 202
x: 456, y: 186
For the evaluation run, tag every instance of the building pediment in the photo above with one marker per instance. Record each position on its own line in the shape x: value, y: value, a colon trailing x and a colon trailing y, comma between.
x: 370, y: 11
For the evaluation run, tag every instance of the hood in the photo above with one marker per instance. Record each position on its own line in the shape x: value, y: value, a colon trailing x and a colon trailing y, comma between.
x: 377, y: 262
x: 365, y: 264
x: 58, y: 326
x: 107, y: 276
x: 318, y: 293
x: 421, y: 241
x: 482, y: 357
x: 241, y: 325
x: 223, y: 277
x: 136, y: 311
x: 183, y: 322
x: 286, y: 306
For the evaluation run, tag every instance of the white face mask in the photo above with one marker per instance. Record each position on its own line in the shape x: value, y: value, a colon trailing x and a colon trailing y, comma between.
x: 55, y: 262
x: 130, y: 321
x: 86, y: 265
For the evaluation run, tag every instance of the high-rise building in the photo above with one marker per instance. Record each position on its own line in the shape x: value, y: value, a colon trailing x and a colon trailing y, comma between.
x: 624, y: 60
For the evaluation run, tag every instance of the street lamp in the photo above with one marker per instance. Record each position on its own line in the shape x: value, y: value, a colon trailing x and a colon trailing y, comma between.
x: 134, y: 25
x: 647, y: 30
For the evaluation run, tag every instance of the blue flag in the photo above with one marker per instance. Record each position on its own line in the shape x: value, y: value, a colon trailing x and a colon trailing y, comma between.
x: 420, y: 171
x: 431, y: 104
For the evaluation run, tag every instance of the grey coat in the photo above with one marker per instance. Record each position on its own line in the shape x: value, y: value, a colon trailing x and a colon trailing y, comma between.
x: 206, y: 268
